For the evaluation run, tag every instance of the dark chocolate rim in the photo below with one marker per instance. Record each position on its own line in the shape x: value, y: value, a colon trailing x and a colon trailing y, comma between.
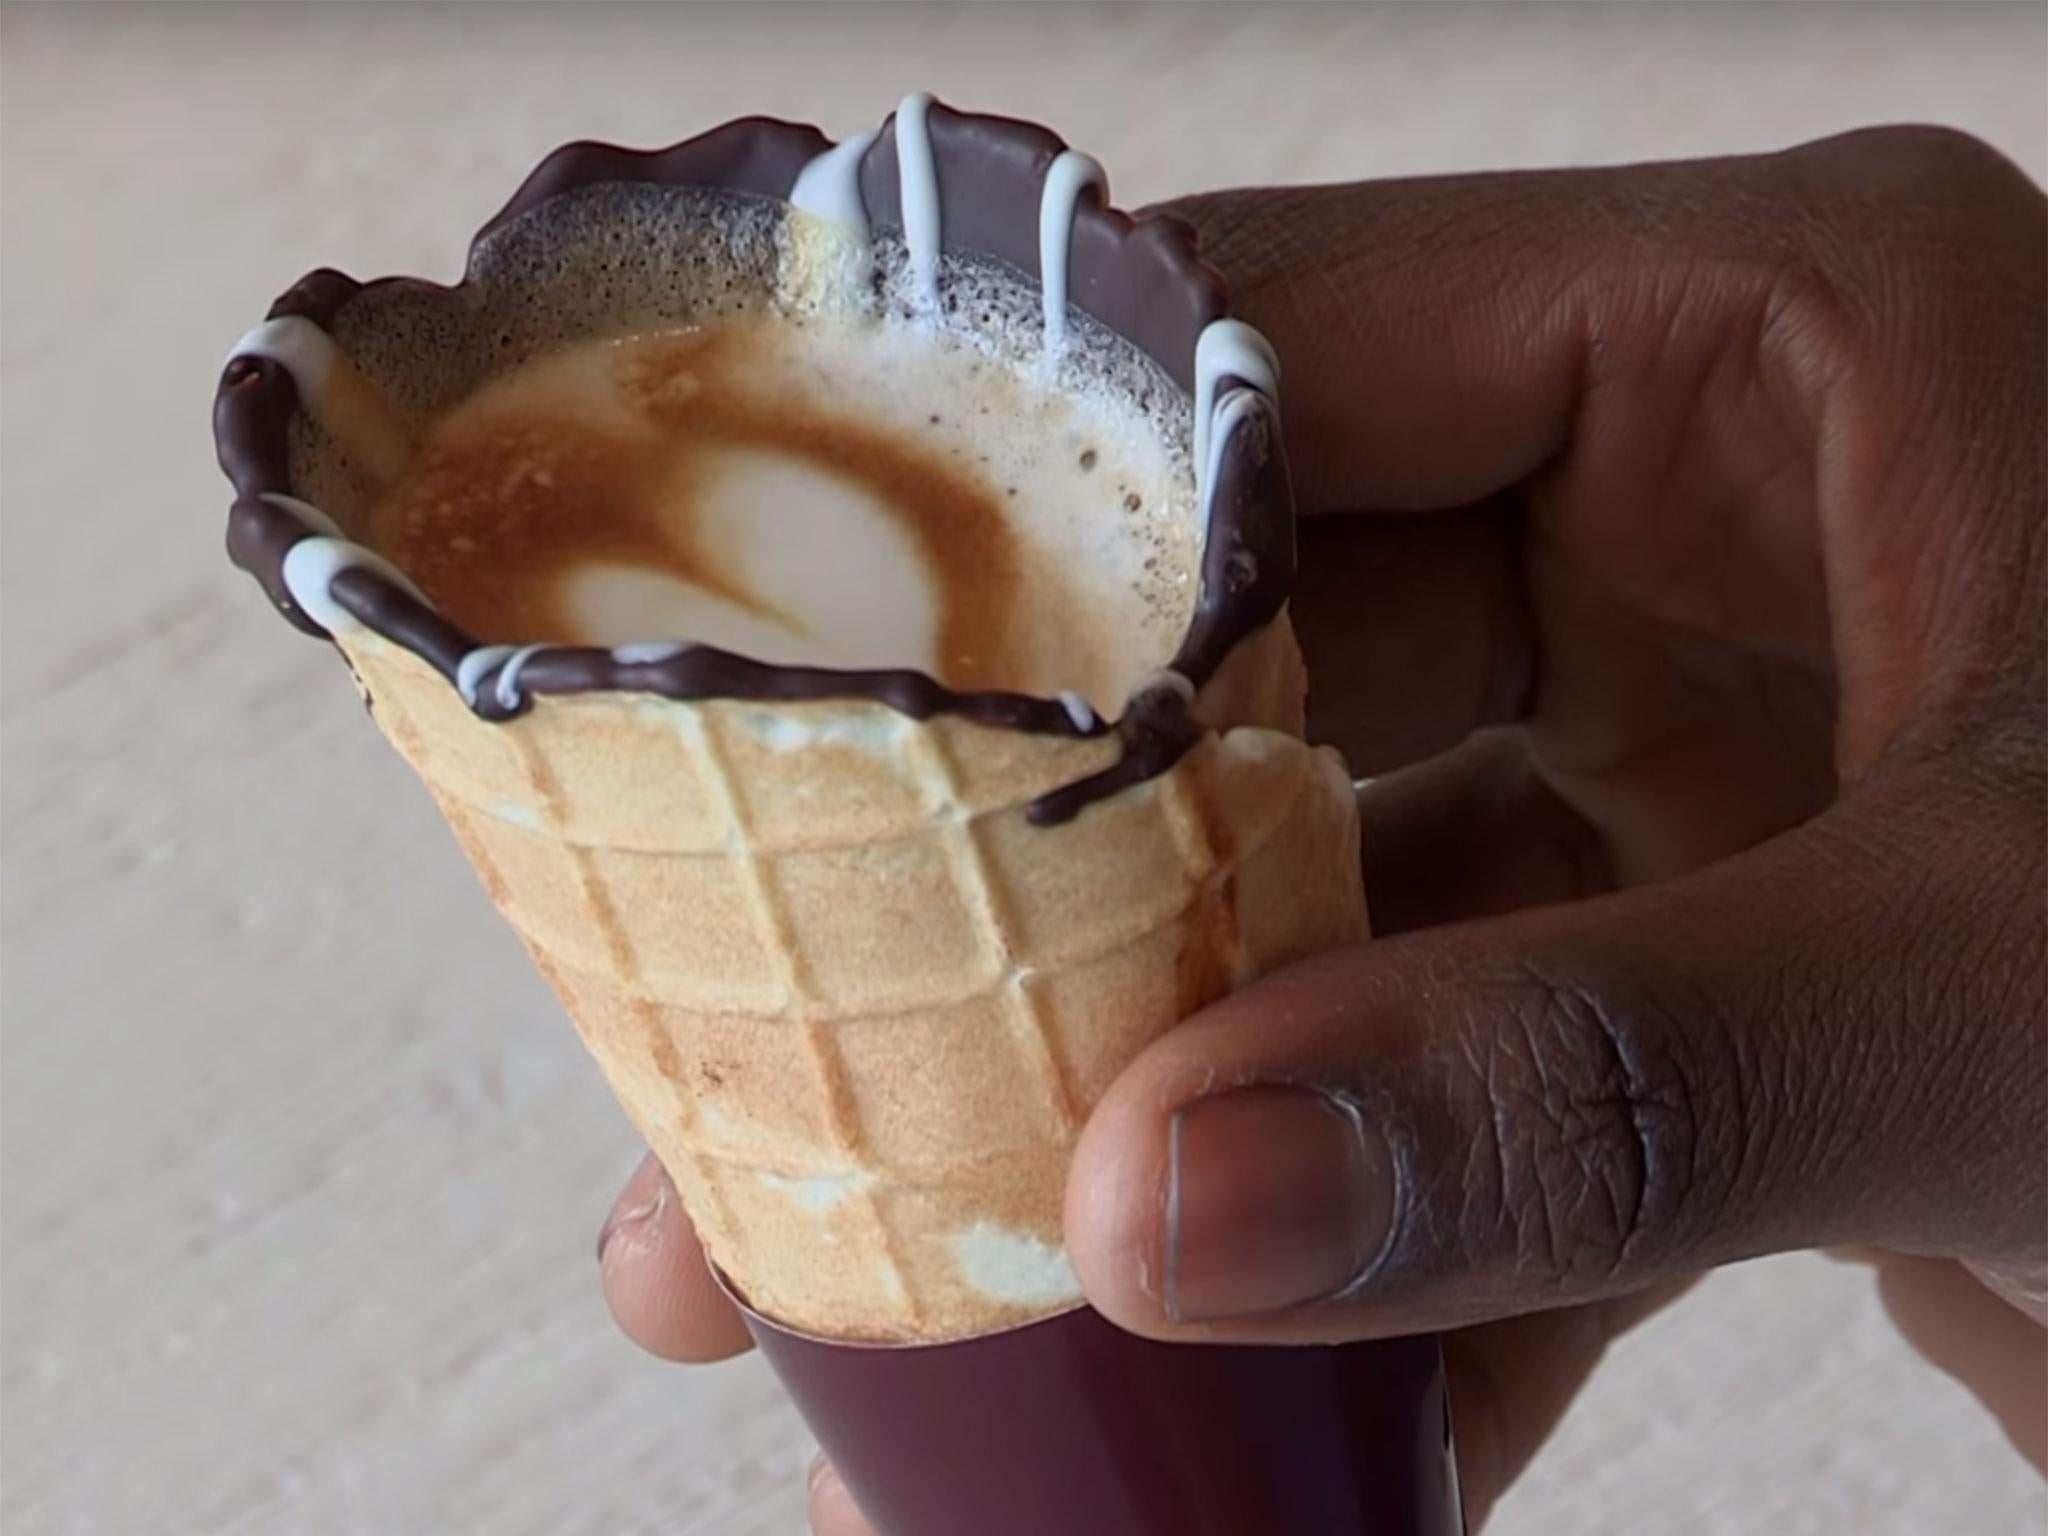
x: 1141, y: 278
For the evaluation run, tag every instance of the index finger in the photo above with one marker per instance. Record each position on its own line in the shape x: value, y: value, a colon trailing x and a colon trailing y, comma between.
x: 656, y: 1278
x: 1439, y: 338
x: 1490, y: 349
x: 1408, y: 381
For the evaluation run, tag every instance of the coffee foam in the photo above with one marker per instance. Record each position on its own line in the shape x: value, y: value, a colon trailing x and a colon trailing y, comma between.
x: 828, y: 323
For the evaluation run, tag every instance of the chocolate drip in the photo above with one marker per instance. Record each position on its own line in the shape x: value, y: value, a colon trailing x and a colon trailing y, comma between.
x: 1140, y: 278
x: 1248, y: 553
x: 695, y: 672
x: 1156, y: 731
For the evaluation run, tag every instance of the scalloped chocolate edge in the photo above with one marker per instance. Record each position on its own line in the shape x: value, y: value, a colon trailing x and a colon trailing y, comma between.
x: 1141, y: 278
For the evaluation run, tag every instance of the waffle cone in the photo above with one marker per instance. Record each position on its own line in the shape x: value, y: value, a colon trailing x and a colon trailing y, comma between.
x: 856, y: 1002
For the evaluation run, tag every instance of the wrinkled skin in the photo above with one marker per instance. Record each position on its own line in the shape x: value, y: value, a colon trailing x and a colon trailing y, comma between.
x: 1677, y: 556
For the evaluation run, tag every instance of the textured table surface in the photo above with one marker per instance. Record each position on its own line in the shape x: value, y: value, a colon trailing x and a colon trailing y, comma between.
x: 301, y: 1165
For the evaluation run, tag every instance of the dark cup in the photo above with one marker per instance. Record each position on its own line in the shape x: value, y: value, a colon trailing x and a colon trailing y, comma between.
x: 1072, y: 1427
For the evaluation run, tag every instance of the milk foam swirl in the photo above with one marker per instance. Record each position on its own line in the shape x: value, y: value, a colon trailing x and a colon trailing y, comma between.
x: 1234, y: 385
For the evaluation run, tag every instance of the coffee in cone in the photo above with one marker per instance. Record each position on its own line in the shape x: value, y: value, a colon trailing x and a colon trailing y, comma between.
x: 837, y: 601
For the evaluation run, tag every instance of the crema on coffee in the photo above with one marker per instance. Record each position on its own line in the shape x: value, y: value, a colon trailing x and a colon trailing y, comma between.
x: 860, y: 491
x: 702, y: 419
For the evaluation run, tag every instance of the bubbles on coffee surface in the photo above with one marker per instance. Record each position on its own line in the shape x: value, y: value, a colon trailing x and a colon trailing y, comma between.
x: 637, y: 430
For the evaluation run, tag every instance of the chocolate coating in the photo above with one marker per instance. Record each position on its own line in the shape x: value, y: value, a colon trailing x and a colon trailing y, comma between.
x: 761, y: 155
x: 1141, y: 278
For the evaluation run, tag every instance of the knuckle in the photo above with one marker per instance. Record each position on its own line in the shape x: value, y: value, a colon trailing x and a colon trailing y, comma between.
x: 1931, y: 153
x: 1863, y: 214
x: 1594, y: 1131
x: 1915, y: 162
x: 1813, y: 323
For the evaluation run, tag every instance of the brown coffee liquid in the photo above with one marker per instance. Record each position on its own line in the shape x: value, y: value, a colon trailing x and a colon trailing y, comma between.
x: 803, y: 493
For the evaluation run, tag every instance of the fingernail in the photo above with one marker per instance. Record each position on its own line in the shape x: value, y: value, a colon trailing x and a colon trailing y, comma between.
x: 1275, y: 1196
x: 637, y: 1203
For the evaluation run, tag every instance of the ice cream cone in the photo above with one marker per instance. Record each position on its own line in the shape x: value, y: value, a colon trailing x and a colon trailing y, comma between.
x: 858, y: 952
x: 855, y: 1000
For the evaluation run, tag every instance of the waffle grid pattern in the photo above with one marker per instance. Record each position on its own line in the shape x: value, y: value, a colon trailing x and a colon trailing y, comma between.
x: 870, y: 1043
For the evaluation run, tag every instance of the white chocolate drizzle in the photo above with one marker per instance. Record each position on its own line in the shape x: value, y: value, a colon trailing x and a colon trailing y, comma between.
x: 296, y: 345
x: 507, y: 689
x: 311, y: 565
x: 469, y: 672
x: 647, y: 653
x: 508, y: 661
x: 917, y: 180
x: 309, y: 571
x: 337, y: 393
x: 828, y: 187
x: 1228, y: 349
x: 1070, y: 174
x: 1235, y: 408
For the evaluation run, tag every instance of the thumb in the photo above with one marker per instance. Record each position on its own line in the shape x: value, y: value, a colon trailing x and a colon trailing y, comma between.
x: 1828, y: 1039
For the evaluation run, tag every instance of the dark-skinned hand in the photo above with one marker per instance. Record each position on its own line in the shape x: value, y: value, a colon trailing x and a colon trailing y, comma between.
x: 1676, y: 558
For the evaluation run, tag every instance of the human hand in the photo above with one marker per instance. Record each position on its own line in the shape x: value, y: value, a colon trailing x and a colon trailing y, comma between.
x: 1676, y: 554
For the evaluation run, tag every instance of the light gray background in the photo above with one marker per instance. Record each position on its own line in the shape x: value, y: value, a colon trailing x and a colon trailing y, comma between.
x: 301, y: 1165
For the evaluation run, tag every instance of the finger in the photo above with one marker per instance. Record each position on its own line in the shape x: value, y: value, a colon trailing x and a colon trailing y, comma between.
x: 1512, y: 1382
x: 1658, y: 354
x: 1980, y: 1339
x: 1436, y: 602
x: 2024, y: 1286
x: 1409, y: 382
x: 1425, y: 360
x: 1451, y: 342
x: 656, y: 1280
x: 1443, y: 338
x: 1578, y: 1101
x: 833, y: 1512
x: 1472, y: 833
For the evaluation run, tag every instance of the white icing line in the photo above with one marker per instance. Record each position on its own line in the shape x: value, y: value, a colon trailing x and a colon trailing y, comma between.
x: 1231, y: 412
x: 1070, y: 174
x: 1226, y: 348
x: 917, y: 178
x: 310, y: 567
x: 469, y: 672
x: 508, y: 676
x: 333, y: 391
x: 296, y: 345
x: 305, y: 512
x: 829, y: 185
x: 647, y: 652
